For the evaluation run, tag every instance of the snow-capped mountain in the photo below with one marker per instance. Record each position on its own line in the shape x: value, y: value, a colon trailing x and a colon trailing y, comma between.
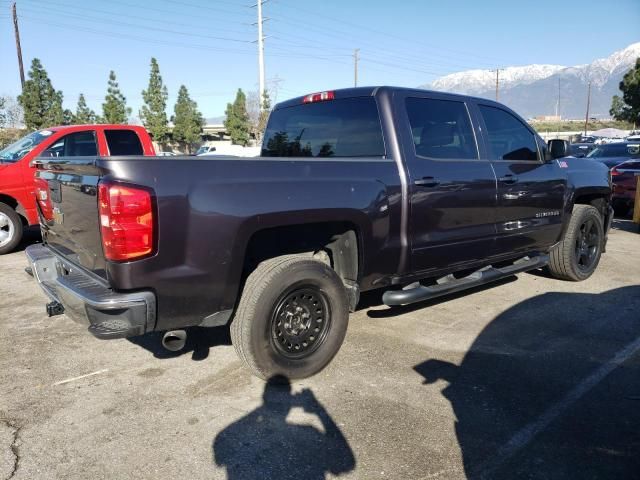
x: 533, y: 89
x: 476, y: 81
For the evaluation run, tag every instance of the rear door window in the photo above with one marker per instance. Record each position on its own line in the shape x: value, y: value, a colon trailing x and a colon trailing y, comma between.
x: 509, y: 138
x: 123, y: 142
x: 441, y: 129
x: 78, y: 144
x: 347, y: 127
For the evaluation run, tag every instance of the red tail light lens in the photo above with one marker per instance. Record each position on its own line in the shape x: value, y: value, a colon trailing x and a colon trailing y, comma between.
x: 126, y: 221
x: 43, y: 197
x: 319, y: 97
x: 615, y: 172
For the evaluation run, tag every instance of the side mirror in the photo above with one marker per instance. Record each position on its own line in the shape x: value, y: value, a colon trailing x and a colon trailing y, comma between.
x: 558, y: 148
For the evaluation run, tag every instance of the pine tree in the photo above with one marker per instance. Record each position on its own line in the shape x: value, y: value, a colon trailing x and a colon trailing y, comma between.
x: 114, y: 108
x: 153, y: 113
x: 84, y: 115
x: 67, y: 117
x: 264, y: 115
x: 3, y: 112
x: 41, y: 103
x: 187, y: 120
x: 237, y: 121
x: 627, y: 108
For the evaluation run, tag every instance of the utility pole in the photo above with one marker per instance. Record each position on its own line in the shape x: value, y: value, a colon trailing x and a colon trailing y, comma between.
x: 260, y: 51
x: 586, y: 118
x: 356, y: 57
x: 18, y: 47
x: 558, y: 103
x: 497, y: 70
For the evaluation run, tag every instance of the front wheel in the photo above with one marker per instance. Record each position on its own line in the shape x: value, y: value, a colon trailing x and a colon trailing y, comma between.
x: 291, y: 319
x: 578, y: 254
x: 10, y: 229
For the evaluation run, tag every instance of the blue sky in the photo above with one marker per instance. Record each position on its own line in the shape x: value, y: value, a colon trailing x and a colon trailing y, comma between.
x: 206, y: 44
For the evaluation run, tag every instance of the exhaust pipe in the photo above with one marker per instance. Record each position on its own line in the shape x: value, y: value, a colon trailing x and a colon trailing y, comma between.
x: 174, y: 340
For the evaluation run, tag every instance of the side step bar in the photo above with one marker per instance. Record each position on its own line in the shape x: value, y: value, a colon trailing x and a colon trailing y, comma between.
x: 448, y: 284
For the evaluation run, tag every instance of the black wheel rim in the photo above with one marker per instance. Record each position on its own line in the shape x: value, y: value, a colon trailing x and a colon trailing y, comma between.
x: 587, y: 244
x: 300, y: 322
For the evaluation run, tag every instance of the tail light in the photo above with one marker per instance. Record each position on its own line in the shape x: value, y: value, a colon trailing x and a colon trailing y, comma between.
x: 126, y: 221
x: 43, y: 197
x: 319, y: 97
x: 615, y: 172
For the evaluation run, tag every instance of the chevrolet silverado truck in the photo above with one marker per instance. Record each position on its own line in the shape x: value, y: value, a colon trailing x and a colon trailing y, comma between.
x: 413, y: 192
x: 17, y: 186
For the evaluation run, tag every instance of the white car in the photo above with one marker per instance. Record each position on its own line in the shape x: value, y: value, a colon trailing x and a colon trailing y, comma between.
x: 165, y: 154
x: 205, y: 149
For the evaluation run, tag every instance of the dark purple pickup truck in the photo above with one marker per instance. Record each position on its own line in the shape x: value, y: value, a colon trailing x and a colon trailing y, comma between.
x: 414, y: 192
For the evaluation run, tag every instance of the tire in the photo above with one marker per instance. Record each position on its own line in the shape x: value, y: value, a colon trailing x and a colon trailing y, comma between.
x: 577, y: 256
x: 10, y: 229
x: 291, y: 319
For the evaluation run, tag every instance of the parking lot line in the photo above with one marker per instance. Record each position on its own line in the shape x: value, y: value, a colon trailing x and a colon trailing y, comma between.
x: 525, y: 435
x: 68, y: 380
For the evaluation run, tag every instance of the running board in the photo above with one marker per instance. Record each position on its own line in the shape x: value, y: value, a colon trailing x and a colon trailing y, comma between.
x: 449, y: 284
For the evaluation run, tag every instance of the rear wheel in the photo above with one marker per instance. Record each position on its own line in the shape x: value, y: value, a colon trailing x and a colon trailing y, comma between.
x: 291, y: 319
x: 578, y: 254
x: 10, y: 229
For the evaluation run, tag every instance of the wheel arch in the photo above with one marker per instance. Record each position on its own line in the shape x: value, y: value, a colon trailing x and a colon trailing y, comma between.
x: 17, y: 206
x: 336, y: 243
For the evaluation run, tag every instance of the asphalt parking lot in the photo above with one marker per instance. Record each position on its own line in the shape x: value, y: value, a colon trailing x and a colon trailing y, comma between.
x: 532, y: 378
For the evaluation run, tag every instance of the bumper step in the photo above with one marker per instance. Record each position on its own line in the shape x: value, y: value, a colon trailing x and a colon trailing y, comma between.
x: 449, y: 284
x: 115, y: 328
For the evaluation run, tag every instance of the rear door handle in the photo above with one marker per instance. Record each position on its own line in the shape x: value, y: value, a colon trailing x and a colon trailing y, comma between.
x: 427, y: 182
x: 508, y: 179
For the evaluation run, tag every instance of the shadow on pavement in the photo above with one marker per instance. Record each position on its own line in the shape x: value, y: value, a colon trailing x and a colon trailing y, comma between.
x: 550, y: 389
x: 625, y: 225
x: 263, y: 445
x: 199, y: 341
x: 30, y: 236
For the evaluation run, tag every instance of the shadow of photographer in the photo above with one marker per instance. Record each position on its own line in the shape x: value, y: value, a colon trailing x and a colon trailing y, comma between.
x: 263, y: 445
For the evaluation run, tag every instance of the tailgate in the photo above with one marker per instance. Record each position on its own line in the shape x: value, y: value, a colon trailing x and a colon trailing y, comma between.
x: 69, y: 210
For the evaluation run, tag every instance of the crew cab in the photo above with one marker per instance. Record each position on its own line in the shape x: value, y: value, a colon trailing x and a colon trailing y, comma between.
x: 17, y: 187
x: 413, y: 192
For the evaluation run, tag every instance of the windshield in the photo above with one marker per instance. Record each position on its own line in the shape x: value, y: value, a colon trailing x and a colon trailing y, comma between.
x: 615, y: 150
x: 16, y: 151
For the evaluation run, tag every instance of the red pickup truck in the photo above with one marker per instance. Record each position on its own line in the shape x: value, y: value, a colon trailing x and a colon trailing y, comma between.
x: 17, y: 183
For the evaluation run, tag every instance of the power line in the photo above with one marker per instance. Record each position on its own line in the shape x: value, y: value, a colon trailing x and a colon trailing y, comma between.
x: 156, y: 29
x: 386, y: 34
x: 74, y: 11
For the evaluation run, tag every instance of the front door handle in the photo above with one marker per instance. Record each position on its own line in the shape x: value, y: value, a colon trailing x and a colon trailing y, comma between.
x: 508, y: 179
x: 427, y: 182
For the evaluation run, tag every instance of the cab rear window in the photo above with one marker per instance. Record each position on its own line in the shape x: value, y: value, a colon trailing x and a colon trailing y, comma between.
x: 123, y: 142
x: 348, y: 127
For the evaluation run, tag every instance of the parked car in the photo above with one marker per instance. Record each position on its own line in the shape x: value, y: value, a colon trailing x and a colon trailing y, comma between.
x: 419, y: 193
x: 624, y: 177
x: 17, y: 186
x: 580, y: 150
x: 166, y: 154
x: 205, y: 149
x: 612, y: 154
